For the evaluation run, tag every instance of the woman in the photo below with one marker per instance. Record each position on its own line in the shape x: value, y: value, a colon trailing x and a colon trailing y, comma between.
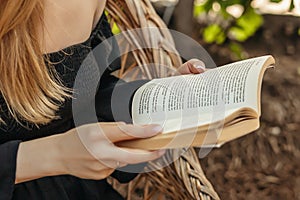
x: 42, y: 156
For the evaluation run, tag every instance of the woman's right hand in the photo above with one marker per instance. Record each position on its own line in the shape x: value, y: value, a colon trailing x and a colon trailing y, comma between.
x: 86, y: 152
x: 90, y: 151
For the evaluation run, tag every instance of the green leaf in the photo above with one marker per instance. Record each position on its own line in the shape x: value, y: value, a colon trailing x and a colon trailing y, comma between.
x: 238, y: 34
x: 246, y: 25
x: 211, y: 33
x: 250, y: 21
x: 221, y: 38
x: 115, y: 29
x: 208, y: 5
x: 198, y: 10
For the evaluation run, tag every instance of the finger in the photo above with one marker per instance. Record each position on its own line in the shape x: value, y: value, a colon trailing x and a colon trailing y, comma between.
x: 116, y: 132
x: 134, y: 156
x: 193, y: 66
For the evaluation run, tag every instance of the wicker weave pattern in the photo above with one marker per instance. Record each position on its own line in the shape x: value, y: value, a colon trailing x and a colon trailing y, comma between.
x: 184, y: 179
x: 133, y: 14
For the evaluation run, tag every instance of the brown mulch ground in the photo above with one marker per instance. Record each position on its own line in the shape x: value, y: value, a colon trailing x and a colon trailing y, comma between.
x: 266, y: 164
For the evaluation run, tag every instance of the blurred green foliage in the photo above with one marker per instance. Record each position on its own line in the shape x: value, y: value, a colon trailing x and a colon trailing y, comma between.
x: 115, y: 29
x: 228, y: 21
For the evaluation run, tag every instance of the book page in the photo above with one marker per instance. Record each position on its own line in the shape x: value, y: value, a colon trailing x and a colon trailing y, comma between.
x: 193, y: 100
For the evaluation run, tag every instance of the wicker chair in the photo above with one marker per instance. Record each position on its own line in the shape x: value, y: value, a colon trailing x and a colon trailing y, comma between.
x: 184, y: 179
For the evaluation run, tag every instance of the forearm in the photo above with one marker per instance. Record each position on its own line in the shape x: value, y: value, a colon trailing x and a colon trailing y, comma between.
x: 39, y: 158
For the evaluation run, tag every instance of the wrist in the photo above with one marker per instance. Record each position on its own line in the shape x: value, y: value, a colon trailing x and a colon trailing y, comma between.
x: 39, y: 158
x: 56, y: 160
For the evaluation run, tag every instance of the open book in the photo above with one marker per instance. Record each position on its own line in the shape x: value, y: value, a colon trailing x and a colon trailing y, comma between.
x: 204, y: 110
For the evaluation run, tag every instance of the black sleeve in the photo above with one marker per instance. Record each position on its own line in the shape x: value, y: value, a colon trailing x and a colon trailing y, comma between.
x: 114, y: 98
x: 8, y: 155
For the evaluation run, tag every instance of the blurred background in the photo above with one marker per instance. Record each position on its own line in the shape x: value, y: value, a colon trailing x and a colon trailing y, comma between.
x: 264, y: 164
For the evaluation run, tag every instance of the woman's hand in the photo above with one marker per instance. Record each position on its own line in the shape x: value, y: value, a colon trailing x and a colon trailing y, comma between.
x: 91, y: 152
x: 86, y: 152
x: 193, y: 66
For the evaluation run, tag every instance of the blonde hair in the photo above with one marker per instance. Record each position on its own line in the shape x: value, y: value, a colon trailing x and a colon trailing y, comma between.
x: 31, y: 89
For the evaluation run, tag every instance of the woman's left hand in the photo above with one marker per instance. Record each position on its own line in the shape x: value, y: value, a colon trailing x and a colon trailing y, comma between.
x: 193, y: 66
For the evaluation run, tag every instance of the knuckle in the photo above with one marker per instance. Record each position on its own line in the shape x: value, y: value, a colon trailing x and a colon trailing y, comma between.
x: 95, y: 167
x: 91, y: 132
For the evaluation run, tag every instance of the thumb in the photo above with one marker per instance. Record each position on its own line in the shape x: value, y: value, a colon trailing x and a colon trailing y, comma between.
x: 193, y: 66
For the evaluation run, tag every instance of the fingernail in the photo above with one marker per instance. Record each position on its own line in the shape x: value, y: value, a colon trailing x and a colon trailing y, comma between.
x: 157, y: 128
x: 198, y: 66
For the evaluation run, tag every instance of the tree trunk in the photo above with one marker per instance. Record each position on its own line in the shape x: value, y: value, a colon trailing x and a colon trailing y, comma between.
x: 183, y: 17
